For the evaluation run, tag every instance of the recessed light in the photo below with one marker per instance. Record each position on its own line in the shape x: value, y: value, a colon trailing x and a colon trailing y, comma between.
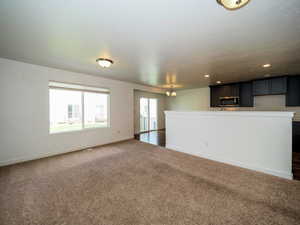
x: 219, y: 82
x: 267, y: 65
x: 105, y: 63
x: 206, y: 75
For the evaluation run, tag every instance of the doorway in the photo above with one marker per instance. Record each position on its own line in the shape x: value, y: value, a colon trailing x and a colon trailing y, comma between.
x: 148, y: 114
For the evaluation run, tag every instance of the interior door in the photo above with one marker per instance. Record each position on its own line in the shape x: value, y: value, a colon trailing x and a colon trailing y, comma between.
x: 148, y: 114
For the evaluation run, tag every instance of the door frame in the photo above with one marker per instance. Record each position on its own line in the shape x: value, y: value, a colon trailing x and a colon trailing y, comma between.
x: 148, y: 103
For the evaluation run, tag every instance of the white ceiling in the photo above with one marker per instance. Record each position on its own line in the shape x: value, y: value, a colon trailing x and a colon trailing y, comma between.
x: 155, y: 42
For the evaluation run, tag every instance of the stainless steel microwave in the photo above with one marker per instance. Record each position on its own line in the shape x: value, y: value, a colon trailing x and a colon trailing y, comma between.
x: 229, y: 101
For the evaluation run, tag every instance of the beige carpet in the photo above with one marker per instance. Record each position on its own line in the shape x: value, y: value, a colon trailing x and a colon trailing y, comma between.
x: 136, y: 183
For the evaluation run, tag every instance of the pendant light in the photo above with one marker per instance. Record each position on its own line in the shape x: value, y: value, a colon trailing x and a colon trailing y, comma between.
x: 171, y: 93
x: 233, y: 4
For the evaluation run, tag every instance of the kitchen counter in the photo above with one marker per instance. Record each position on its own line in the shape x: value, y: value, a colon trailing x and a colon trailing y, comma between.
x: 260, y: 141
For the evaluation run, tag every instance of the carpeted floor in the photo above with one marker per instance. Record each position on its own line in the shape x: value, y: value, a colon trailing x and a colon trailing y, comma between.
x: 137, y: 183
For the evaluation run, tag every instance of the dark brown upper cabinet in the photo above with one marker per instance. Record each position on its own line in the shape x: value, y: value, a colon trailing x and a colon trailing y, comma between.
x: 229, y: 90
x: 246, y: 97
x: 260, y: 87
x: 278, y: 85
x: 219, y: 91
x: 287, y: 85
x: 271, y: 86
x: 215, y: 96
x: 293, y: 91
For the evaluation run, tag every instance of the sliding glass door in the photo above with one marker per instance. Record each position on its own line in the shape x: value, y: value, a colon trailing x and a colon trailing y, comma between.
x: 148, y: 114
x: 144, y: 115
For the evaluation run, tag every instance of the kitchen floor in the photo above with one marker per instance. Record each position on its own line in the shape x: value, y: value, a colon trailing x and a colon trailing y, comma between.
x: 153, y: 137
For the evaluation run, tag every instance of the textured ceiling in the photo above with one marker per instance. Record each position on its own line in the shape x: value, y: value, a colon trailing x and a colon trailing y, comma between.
x: 155, y: 42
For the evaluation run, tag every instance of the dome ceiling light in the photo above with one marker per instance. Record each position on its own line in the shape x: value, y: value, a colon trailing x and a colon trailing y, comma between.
x: 105, y: 63
x: 233, y: 4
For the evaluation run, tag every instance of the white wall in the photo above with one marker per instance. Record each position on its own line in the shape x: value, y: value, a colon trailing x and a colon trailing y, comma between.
x: 24, y: 114
x: 190, y: 100
x: 259, y: 141
x: 161, y: 98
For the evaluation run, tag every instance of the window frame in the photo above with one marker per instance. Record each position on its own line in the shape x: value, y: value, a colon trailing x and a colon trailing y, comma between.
x: 81, y: 89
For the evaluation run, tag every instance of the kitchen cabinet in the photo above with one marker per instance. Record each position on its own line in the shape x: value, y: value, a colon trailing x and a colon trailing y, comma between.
x: 296, y: 136
x: 289, y: 86
x: 216, y: 92
x: 235, y: 90
x: 293, y: 91
x: 224, y: 90
x: 246, y: 97
x: 271, y: 86
x: 278, y: 85
x: 229, y: 90
x: 260, y: 87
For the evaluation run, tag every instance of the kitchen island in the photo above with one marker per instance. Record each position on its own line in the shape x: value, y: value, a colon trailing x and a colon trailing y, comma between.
x: 260, y: 141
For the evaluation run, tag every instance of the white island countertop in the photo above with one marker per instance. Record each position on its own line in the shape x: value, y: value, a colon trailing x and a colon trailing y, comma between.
x: 234, y: 113
x: 260, y: 141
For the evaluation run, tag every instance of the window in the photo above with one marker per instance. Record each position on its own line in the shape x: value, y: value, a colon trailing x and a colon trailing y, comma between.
x: 76, y: 107
x: 73, y: 111
x: 95, y: 110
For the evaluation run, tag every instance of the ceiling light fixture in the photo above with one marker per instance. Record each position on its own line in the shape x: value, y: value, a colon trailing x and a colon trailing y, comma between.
x: 267, y: 65
x: 171, y: 93
x: 105, y: 63
x: 233, y: 4
x: 206, y: 75
x: 219, y: 82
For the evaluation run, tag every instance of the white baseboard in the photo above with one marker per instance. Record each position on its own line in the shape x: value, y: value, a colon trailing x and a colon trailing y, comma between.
x: 48, y: 154
x: 277, y: 173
